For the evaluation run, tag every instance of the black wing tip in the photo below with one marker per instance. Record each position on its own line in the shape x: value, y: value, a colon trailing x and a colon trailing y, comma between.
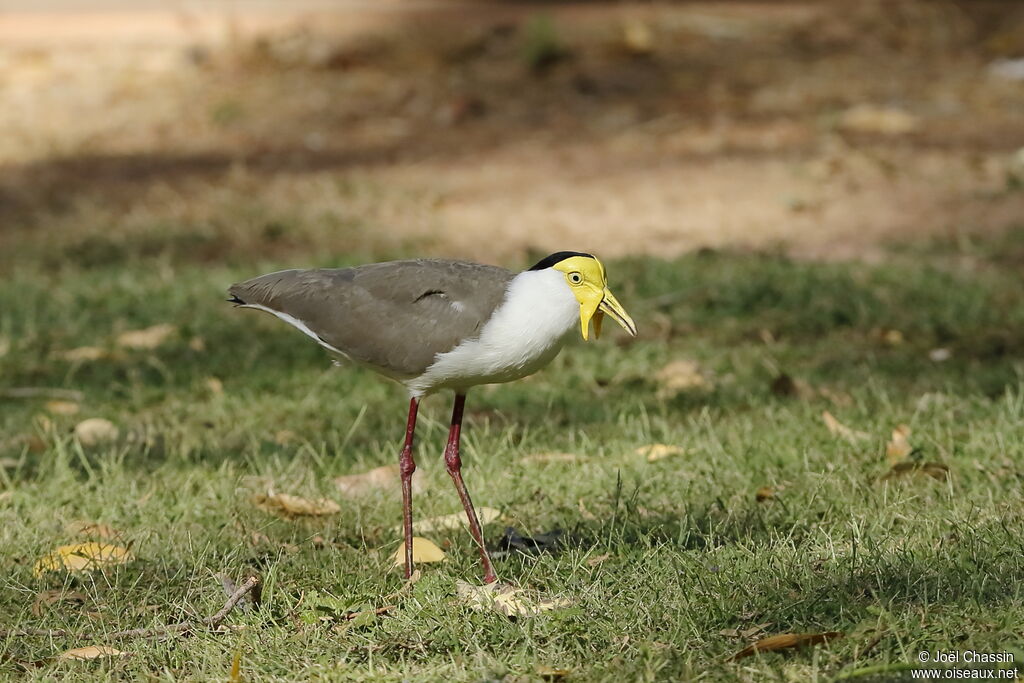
x: 557, y: 257
x: 236, y: 301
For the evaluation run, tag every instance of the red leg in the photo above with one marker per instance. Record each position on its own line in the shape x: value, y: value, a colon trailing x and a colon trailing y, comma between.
x: 454, y: 464
x: 407, y: 466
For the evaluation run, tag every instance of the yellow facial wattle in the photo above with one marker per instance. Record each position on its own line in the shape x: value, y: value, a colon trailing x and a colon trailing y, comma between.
x: 586, y: 276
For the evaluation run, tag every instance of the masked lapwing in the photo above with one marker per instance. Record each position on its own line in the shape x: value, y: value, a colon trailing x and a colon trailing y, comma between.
x: 437, y: 324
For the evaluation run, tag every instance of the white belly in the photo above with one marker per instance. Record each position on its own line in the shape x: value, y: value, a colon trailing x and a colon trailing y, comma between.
x: 525, y: 333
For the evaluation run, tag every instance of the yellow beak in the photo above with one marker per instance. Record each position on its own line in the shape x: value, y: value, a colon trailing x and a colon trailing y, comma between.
x: 606, y: 304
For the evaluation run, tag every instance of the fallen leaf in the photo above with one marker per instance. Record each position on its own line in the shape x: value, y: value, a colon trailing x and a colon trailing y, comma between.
x: 91, y: 530
x: 95, y: 430
x: 898, y: 448
x: 197, y: 344
x: 679, y: 376
x: 637, y: 37
x: 790, y: 387
x: 53, y: 597
x: 552, y: 456
x: 83, y: 557
x: 284, y: 437
x: 597, y: 559
x: 870, y: 118
x: 84, y: 353
x: 505, y: 599
x: 91, y: 652
x: 837, y: 428
x: 62, y: 407
x: 146, y: 339
x: 658, y: 451
x: 784, y: 641
x: 214, y: 385
x: 236, y: 667
x: 550, y: 673
x: 764, y: 493
x: 485, y: 516
x: 934, y: 470
x: 386, y: 476
x: 423, y: 550
x: 288, y: 505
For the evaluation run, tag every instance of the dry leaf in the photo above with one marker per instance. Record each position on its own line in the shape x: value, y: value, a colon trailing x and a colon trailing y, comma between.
x: 62, y: 407
x: 679, y: 376
x: 552, y: 456
x: 837, y: 428
x: 148, y: 338
x: 288, y: 505
x: 91, y: 530
x: 934, y: 470
x: 214, y: 385
x: 91, y: 652
x: 764, y: 493
x: 505, y: 599
x: 898, y: 448
x: 550, y: 673
x: 284, y: 437
x: 485, y: 515
x: 197, y: 344
x: 84, y: 353
x: 869, y: 118
x: 657, y: 451
x: 637, y: 37
x: 95, y: 430
x: 784, y: 641
x: 598, y: 559
x: 423, y: 550
x: 52, y: 597
x: 83, y: 557
x: 386, y: 476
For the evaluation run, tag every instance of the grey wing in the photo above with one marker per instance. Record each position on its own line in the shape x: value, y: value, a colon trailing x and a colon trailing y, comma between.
x: 396, y: 316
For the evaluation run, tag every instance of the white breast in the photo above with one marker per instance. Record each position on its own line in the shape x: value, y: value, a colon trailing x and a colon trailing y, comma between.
x: 523, y: 335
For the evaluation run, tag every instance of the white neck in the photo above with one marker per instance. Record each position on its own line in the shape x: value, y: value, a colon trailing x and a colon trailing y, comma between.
x: 523, y: 335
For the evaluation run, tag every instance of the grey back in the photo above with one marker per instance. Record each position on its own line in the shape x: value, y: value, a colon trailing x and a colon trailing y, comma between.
x: 395, y: 316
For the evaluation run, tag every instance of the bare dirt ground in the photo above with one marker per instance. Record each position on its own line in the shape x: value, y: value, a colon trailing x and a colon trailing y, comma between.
x: 822, y: 129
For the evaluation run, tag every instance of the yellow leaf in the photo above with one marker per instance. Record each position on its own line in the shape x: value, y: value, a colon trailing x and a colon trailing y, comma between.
x: 455, y: 520
x: 197, y: 344
x: 148, y: 338
x: 658, y: 451
x: 783, y: 641
x: 505, y: 599
x: 83, y: 557
x: 91, y: 530
x: 552, y: 456
x: 837, y: 428
x: 288, y: 505
x: 95, y: 430
x: 62, y: 407
x: 423, y: 550
x: 91, y: 652
x: 935, y: 470
x: 84, y: 353
x: 679, y: 376
x: 386, y: 476
x: 870, y: 118
x: 898, y: 448
x: 214, y: 385
x: 550, y: 673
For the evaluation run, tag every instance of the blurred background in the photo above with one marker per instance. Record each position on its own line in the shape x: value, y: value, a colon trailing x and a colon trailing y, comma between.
x: 295, y: 132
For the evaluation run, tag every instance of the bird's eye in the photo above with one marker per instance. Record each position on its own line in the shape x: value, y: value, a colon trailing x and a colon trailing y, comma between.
x: 575, y: 278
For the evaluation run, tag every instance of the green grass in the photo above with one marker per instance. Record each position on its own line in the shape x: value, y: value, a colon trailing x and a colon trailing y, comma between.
x: 900, y: 566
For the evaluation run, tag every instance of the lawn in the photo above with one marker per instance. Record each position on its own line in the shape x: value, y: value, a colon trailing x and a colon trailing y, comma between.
x: 763, y: 520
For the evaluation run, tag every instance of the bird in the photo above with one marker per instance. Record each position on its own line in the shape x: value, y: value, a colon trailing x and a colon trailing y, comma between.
x: 436, y: 324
